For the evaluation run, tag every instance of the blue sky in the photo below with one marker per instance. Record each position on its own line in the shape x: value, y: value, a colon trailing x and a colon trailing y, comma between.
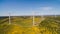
x: 27, y: 7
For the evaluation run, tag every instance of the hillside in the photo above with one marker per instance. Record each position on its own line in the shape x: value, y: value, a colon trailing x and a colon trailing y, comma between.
x: 24, y: 25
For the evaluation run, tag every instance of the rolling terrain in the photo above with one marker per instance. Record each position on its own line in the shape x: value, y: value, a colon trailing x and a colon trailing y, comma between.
x: 24, y: 25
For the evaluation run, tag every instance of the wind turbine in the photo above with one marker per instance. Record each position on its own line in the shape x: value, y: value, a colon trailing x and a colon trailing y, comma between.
x: 33, y: 18
x: 9, y: 18
x: 42, y: 17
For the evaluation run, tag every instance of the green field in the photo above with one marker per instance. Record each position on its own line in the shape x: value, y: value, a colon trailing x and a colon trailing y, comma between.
x: 24, y: 25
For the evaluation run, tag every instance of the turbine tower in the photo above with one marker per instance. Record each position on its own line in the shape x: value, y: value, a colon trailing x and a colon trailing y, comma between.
x: 9, y: 18
x: 42, y: 17
x: 33, y: 18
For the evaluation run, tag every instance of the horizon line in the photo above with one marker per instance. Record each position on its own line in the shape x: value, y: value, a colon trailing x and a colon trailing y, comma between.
x: 30, y: 15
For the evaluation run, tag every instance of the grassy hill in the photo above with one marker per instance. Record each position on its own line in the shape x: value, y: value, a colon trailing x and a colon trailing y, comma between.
x: 24, y: 25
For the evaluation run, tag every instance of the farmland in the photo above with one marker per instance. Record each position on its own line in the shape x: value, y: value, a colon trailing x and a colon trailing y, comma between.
x: 24, y: 25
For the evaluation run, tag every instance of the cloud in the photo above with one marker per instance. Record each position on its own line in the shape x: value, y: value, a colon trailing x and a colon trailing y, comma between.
x: 46, y: 8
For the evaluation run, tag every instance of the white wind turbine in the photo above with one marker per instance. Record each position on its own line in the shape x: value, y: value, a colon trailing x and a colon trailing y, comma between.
x: 42, y: 16
x: 9, y: 18
x: 33, y: 18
